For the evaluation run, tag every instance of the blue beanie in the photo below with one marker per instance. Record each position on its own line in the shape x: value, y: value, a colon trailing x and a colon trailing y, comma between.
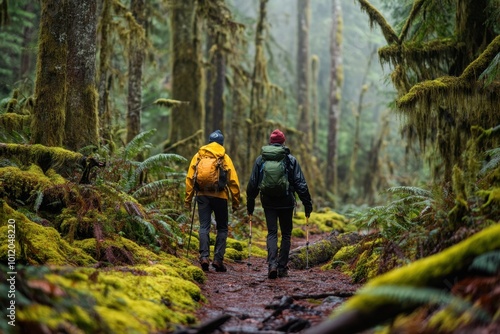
x: 217, y: 137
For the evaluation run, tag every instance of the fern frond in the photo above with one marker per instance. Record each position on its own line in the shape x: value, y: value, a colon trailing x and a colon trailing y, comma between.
x: 493, y: 163
x: 147, y: 225
x: 417, y: 295
x: 138, y: 144
x: 488, y: 262
x: 182, y: 219
x: 154, y: 187
x: 158, y: 162
x: 409, y: 191
x: 38, y: 200
x: 172, y: 231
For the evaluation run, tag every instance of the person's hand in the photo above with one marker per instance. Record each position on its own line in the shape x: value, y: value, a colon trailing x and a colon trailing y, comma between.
x: 308, y: 213
x: 187, y: 206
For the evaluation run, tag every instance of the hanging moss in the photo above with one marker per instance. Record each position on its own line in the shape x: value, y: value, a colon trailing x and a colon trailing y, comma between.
x: 376, y: 16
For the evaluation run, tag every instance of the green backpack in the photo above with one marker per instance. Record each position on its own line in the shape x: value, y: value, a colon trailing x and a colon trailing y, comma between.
x: 274, y: 172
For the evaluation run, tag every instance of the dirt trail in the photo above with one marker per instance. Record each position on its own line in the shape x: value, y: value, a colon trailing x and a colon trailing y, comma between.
x: 253, y: 303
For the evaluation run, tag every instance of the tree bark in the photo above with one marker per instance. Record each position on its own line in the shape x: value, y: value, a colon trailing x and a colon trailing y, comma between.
x: 47, y: 127
x: 214, y: 94
x: 257, y: 131
x: 356, y: 142
x: 81, y: 126
x: 334, y: 109
x: 136, y: 61
x: 315, y: 102
x: 187, y: 76
x: 104, y: 77
x: 303, y: 15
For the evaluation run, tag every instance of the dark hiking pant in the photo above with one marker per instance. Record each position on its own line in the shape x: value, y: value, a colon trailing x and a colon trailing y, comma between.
x: 278, y: 258
x: 207, y: 205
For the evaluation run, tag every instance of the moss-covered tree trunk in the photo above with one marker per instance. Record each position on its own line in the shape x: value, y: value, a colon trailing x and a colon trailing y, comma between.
x: 81, y: 126
x: 334, y: 103
x: 257, y: 135
x: 303, y: 18
x: 215, y: 78
x: 315, y: 103
x: 219, y: 65
x: 47, y: 127
x: 186, y: 128
x: 444, y: 71
x: 237, y: 146
x: 136, y: 61
x: 473, y: 30
x: 356, y: 139
x: 103, y: 74
x: 373, y: 179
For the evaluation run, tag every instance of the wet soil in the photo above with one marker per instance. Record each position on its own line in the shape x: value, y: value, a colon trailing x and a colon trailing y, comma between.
x: 244, y: 300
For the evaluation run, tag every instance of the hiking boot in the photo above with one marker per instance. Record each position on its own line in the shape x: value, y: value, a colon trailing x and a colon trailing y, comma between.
x: 219, y: 267
x: 204, y: 264
x: 282, y: 272
x: 272, y: 273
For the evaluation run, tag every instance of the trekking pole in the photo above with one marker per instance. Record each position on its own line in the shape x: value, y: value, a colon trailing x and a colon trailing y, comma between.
x: 191, y: 229
x: 250, y: 241
x: 307, y: 243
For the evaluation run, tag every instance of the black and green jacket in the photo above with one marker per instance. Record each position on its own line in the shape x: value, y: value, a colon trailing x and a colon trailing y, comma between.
x: 297, y: 182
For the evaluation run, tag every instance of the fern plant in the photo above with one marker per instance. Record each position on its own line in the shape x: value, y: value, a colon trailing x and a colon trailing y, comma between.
x: 402, y: 214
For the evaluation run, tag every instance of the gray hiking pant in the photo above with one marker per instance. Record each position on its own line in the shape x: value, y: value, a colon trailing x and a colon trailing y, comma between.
x: 278, y: 258
x: 207, y: 205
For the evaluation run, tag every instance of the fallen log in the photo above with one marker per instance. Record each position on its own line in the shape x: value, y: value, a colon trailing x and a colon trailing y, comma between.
x: 321, y: 251
x: 342, y: 294
x: 368, y: 308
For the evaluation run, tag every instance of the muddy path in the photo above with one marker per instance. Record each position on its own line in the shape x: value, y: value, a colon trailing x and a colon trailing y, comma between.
x: 244, y: 300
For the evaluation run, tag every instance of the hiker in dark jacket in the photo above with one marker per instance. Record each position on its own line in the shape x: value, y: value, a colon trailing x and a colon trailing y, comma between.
x: 213, y: 201
x: 279, y: 209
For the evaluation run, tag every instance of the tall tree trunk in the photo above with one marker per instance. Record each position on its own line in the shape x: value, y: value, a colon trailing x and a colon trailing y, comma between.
x: 315, y: 102
x: 335, y: 86
x: 256, y: 131
x: 81, y: 126
x: 210, y: 78
x: 357, y: 117
x: 186, y: 128
x: 136, y: 60
x: 303, y: 15
x: 47, y: 127
x: 215, y: 78
x: 372, y: 177
x: 219, y: 66
x: 105, y: 78
x: 237, y: 145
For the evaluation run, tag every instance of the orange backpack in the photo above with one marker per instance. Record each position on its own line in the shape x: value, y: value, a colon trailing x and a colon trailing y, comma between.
x: 210, y: 174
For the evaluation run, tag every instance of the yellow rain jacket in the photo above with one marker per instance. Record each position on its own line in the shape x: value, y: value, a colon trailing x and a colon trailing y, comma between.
x: 233, y: 185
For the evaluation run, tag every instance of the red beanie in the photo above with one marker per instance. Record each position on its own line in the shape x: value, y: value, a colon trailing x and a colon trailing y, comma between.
x: 277, y: 137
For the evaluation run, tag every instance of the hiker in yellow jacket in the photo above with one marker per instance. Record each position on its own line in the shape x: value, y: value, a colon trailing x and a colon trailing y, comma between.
x: 212, y: 196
